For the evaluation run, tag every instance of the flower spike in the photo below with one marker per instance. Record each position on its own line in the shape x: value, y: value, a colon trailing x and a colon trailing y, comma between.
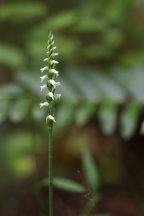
x: 50, y: 77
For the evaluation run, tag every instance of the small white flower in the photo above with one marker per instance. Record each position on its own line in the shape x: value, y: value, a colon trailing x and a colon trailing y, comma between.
x: 54, y: 83
x: 54, y: 54
x: 54, y: 48
x: 57, y: 96
x: 43, y: 87
x: 44, y: 68
x: 47, y: 52
x: 43, y: 78
x: 52, y: 43
x: 51, y: 95
x: 54, y: 71
x: 54, y: 62
x: 51, y: 118
x: 46, y: 59
x: 44, y: 104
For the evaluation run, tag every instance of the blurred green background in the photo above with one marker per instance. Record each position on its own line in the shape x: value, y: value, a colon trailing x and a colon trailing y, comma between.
x: 97, y: 139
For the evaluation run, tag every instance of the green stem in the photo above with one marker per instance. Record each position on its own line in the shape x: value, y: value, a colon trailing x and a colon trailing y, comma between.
x: 50, y: 173
x: 90, y: 205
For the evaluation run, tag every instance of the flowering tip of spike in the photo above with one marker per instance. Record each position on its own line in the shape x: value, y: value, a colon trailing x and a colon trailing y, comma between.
x: 43, y: 87
x: 44, y: 68
x: 43, y: 78
x: 44, y: 104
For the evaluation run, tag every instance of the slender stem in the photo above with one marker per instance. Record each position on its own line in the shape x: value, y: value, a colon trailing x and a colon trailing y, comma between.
x: 50, y: 172
x: 89, y: 206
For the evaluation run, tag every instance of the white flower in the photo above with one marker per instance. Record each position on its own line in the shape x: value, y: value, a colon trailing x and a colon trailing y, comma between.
x: 43, y: 87
x: 54, y: 62
x: 46, y: 59
x: 54, y: 71
x: 43, y: 78
x: 54, y: 48
x: 54, y: 54
x: 47, y: 52
x: 51, y: 118
x: 44, y: 104
x: 57, y: 96
x: 55, y: 84
x: 44, y: 68
x: 51, y: 95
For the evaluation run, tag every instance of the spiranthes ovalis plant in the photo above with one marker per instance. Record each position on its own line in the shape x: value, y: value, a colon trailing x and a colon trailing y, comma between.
x: 48, y: 80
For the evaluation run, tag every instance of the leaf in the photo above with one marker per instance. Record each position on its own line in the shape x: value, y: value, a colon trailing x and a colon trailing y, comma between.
x: 90, y: 171
x: 62, y: 20
x: 80, y: 81
x: 65, y: 184
x: 19, y: 110
x: 22, y: 11
x: 11, y: 56
x: 129, y: 118
x: 84, y: 113
x: 107, y: 115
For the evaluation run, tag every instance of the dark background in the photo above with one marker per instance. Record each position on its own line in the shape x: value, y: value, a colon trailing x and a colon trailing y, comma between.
x: 98, y: 139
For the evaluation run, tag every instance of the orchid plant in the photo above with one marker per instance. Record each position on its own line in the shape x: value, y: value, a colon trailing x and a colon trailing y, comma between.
x: 50, y: 76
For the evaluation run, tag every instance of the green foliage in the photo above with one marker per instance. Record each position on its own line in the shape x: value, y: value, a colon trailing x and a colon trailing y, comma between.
x: 16, y: 153
x: 19, y: 110
x: 11, y: 56
x: 65, y: 184
x: 129, y: 119
x: 63, y: 19
x: 95, y: 95
x: 22, y: 11
x: 84, y: 114
x: 107, y: 115
x: 90, y: 171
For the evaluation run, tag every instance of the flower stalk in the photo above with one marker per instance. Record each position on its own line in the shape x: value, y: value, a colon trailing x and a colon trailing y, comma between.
x: 51, y: 98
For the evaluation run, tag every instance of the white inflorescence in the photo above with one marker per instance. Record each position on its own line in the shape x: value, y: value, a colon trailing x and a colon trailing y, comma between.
x: 50, y: 77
